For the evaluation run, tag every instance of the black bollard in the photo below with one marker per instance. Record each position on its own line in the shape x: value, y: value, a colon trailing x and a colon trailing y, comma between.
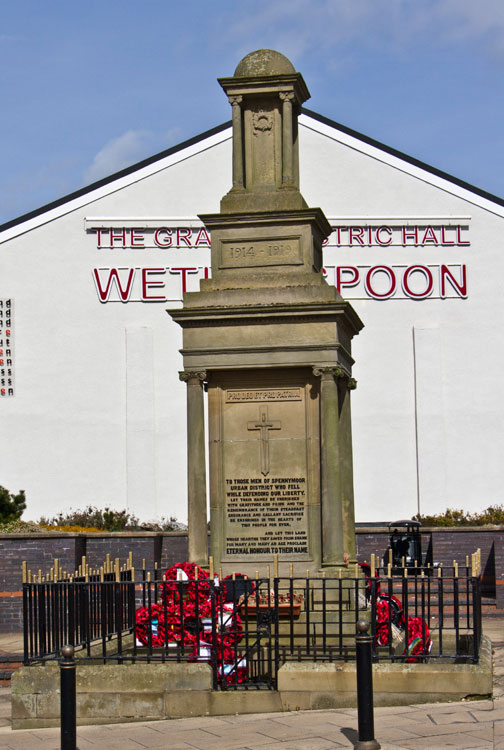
x: 68, y: 699
x: 363, y: 643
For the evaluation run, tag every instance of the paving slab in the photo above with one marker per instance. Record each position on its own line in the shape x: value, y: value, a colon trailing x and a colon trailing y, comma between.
x: 314, y: 743
x: 450, y: 741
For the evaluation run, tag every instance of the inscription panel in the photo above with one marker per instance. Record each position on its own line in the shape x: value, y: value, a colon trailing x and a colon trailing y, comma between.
x: 266, y: 516
x: 252, y: 395
x: 281, y: 251
x: 265, y: 475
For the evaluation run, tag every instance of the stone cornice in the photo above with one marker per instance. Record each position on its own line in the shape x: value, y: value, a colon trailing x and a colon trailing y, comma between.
x: 257, y: 314
x: 266, y: 84
x: 268, y: 219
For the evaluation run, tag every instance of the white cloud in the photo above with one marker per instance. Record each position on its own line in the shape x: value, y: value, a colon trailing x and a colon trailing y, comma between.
x: 467, y: 20
x: 125, y: 150
x: 298, y: 26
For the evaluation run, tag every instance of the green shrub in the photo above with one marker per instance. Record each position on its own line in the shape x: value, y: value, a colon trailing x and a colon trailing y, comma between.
x: 493, y: 515
x: 11, y: 506
x: 19, y: 527
x: 106, y: 520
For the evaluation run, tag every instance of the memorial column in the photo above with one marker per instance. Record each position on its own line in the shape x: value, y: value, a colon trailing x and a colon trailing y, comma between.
x: 346, y: 385
x: 287, y: 141
x: 196, y: 468
x: 332, y: 511
x: 236, y: 101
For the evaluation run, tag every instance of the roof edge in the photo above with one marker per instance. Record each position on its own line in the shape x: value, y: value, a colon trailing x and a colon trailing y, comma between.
x: 115, y: 176
x: 220, y: 128
x: 405, y: 157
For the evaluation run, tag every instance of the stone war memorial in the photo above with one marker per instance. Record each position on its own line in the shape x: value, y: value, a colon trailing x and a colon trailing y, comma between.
x: 267, y: 621
x: 270, y: 341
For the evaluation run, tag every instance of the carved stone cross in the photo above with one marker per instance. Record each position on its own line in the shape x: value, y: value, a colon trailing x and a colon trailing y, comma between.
x: 264, y: 426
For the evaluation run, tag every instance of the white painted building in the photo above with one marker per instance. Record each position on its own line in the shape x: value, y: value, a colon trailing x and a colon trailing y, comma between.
x: 91, y: 406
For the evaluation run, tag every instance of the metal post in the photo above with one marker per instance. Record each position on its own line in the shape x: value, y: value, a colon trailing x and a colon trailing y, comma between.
x: 363, y: 643
x: 68, y: 699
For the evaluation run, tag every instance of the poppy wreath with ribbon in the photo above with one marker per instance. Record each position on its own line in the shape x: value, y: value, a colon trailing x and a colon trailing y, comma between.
x: 150, y: 623
x: 177, y: 618
x: 183, y: 584
x: 419, y: 640
x: 231, y: 666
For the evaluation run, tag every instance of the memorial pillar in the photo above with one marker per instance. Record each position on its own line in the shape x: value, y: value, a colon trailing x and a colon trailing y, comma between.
x: 196, y: 468
x: 332, y: 511
x: 346, y: 385
x: 287, y: 139
x: 236, y: 101
x: 264, y: 325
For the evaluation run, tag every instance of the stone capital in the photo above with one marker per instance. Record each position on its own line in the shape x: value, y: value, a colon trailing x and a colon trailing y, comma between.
x: 325, y: 372
x: 197, y: 376
x: 235, y: 99
x: 287, y: 96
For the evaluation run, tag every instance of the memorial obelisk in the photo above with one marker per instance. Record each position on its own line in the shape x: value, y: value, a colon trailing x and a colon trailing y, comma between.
x: 270, y: 341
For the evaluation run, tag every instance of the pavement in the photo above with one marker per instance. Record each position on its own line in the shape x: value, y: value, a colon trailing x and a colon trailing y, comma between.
x: 434, y: 726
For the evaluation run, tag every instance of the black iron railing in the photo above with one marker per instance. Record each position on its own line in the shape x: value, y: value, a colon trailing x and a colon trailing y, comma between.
x: 247, y: 628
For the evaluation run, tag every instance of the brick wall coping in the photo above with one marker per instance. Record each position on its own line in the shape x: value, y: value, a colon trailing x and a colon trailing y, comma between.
x: 147, y: 534
x: 434, y: 529
x: 90, y: 534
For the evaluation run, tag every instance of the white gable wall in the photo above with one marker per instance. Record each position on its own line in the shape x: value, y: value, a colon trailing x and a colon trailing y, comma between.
x: 459, y: 351
x: 98, y: 414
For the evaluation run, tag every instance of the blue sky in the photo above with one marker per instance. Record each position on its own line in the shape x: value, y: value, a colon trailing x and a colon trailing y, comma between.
x: 90, y: 87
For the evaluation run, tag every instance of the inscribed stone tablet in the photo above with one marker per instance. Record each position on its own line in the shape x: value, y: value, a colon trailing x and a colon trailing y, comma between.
x: 266, y: 480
